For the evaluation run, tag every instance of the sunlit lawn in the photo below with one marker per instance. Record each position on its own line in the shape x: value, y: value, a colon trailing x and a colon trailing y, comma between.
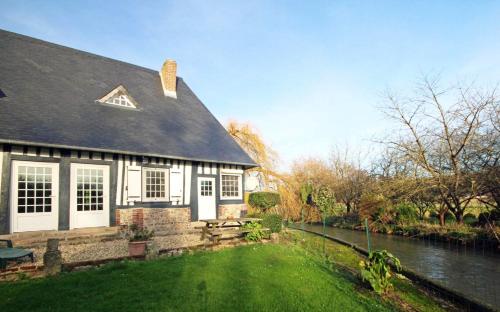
x: 249, y: 278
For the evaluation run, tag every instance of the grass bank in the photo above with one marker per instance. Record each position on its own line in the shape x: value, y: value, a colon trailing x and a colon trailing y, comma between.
x: 455, y: 233
x: 286, y: 277
x: 249, y: 278
x: 405, y: 295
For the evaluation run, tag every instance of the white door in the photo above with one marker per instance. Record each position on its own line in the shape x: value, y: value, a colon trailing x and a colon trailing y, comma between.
x: 35, y: 196
x: 206, y: 198
x: 89, y: 199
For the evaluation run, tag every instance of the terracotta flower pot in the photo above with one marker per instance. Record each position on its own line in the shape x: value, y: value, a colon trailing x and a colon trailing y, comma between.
x: 137, y: 248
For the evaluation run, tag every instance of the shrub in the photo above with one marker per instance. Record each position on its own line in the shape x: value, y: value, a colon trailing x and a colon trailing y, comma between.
x: 491, y: 216
x: 449, y: 217
x: 470, y: 218
x: 273, y: 221
x: 373, y: 206
x: 386, y: 215
x: 433, y: 218
x: 377, y: 270
x: 137, y: 234
x: 347, y: 219
x: 255, y: 232
x: 254, y: 214
x: 264, y: 200
x: 352, y: 218
x: 406, y: 213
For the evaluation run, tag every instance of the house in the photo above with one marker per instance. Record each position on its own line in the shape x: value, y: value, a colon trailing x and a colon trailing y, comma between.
x: 254, y: 182
x: 88, y: 141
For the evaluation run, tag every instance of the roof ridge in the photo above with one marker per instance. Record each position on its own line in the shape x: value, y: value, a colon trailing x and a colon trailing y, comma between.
x: 60, y: 46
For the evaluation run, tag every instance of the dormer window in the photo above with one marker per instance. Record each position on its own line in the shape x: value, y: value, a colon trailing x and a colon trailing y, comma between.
x: 120, y: 97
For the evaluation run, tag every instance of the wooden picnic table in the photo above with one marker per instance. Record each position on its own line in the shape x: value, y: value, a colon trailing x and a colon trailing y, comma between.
x: 215, y: 228
x: 235, y: 222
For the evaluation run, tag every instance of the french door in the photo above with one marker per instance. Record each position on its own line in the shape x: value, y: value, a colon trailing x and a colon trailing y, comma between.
x: 89, y: 199
x: 34, y: 196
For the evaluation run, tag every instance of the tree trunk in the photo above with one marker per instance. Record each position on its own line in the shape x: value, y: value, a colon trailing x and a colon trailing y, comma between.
x: 459, y: 215
x: 348, y: 207
x: 441, y: 218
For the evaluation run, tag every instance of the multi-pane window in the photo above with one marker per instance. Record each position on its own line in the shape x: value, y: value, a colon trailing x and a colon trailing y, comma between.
x: 155, y: 184
x: 206, y: 188
x: 120, y: 99
x: 89, y: 192
x: 230, y: 185
x: 34, y: 189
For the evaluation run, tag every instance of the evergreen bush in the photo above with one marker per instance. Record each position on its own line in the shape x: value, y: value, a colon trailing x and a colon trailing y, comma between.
x: 273, y: 221
x: 264, y: 200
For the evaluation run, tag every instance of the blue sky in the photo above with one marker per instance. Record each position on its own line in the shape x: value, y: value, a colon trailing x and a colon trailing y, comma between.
x: 309, y: 75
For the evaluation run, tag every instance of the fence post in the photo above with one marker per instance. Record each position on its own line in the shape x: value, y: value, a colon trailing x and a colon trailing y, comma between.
x: 324, y: 232
x: 302, y: 222
x: 368, y: 235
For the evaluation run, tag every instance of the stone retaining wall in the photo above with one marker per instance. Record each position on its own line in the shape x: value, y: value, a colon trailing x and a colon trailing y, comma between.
x: 165, y: 220
x: 232, y: 211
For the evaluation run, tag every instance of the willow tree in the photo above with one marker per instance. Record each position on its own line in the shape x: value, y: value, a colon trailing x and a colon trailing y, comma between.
x: 251, y: 142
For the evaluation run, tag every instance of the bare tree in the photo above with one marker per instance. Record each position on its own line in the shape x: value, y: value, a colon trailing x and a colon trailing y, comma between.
x: 401, y: 180
x: 350, y: 180
x: 484, y: 159
x: 438, y: 128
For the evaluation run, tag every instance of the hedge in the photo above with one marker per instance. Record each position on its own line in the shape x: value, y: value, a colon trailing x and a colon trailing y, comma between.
x: 273, y: 221
x: 264, y: 200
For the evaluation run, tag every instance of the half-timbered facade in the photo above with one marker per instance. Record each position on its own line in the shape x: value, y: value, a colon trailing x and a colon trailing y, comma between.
x: 87, y: 141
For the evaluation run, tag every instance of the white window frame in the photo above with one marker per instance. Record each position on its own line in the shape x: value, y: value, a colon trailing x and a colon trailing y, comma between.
x: 89, y: 218
x: 125, y: 100
x: 240, y: 185
x: 50, y: 218
x: 167, y: 185
x: 120, y: 99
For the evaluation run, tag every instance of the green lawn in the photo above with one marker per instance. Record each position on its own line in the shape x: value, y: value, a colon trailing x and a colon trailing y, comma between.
x: 249, y: 278
x: 341, y: 256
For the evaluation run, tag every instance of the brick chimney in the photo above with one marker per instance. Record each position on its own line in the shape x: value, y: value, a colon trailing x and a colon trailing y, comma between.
x: 168, y: 75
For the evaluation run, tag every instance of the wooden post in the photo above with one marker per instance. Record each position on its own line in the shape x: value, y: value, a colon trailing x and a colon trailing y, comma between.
x: 302, y: 221
x: 324, y: 231
x: 368, y: 236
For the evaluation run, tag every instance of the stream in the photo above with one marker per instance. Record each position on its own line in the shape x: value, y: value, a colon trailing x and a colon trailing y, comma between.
x: 475, y: 272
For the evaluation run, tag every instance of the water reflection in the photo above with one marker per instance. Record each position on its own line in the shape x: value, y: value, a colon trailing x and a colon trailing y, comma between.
x: 474, y: 272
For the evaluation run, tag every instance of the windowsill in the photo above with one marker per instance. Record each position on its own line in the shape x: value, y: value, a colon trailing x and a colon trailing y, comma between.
x: 231, y: 198
x: 156, y: 201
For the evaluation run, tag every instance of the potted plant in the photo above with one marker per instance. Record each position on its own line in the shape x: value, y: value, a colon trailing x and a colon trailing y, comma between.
x: 137, y: 240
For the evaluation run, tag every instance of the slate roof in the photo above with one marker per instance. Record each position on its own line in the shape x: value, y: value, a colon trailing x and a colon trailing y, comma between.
x: 51, y: 94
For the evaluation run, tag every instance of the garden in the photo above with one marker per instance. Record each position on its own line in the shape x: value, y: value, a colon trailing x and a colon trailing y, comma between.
x: 293, y: 275
x: 434, y: 173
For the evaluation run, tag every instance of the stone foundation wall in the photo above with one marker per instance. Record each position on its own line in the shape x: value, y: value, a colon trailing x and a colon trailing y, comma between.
x: 164, y: 220
x: 232, y: 211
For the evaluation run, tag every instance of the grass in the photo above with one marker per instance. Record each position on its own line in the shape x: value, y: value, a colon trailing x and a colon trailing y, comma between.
x: 348, y: 259
x: 452, y: 231
x: 249, y: 278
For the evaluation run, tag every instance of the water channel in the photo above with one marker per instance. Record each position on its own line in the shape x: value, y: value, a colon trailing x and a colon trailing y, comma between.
x: 475, y: 272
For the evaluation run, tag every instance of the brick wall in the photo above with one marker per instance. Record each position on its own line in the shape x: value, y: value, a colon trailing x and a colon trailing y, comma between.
x: 232, y: 211
x: 164, y: 220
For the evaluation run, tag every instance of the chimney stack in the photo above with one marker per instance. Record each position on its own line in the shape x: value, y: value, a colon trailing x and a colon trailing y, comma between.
x: 168, y: 75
